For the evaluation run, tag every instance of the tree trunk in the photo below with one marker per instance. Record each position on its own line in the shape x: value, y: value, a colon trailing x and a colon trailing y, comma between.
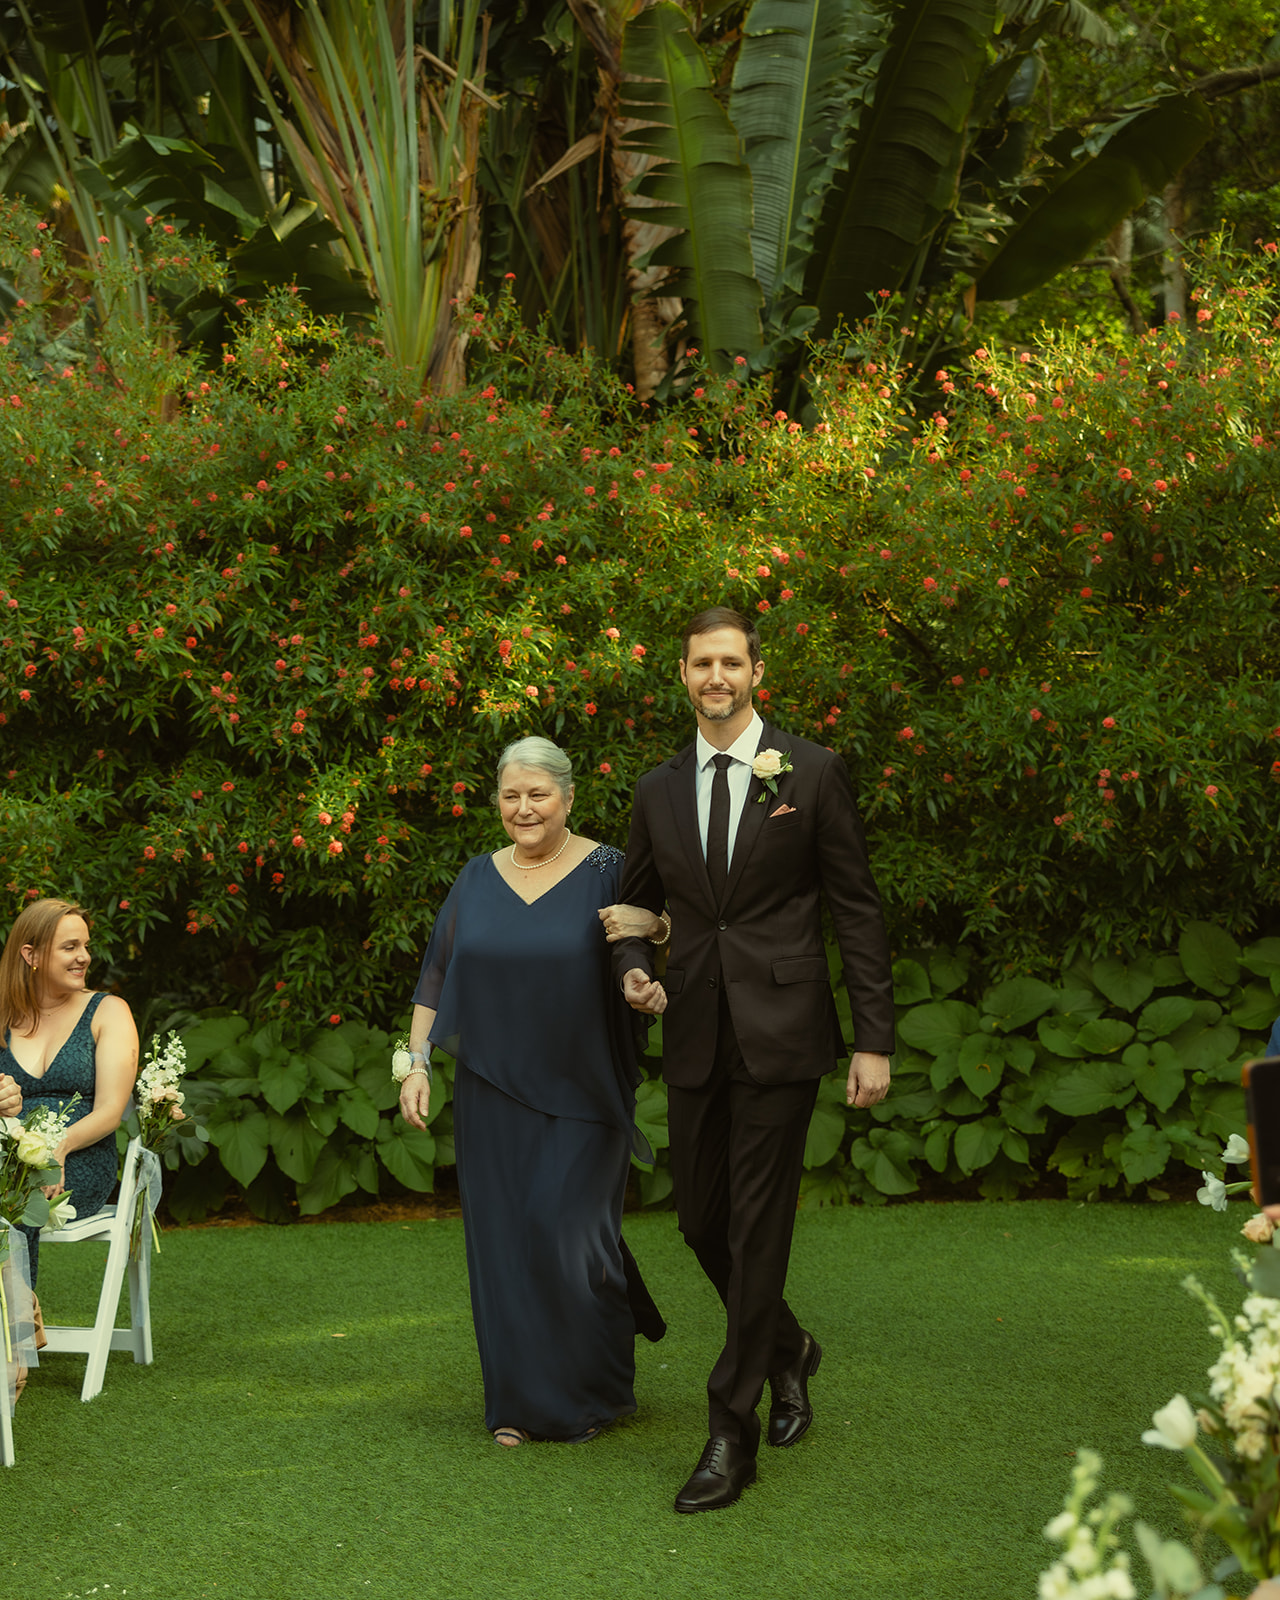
x: 1174, y: 284
x: 652, y: 313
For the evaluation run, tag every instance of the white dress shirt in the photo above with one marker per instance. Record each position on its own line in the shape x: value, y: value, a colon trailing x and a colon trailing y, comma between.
x: 743, y: 751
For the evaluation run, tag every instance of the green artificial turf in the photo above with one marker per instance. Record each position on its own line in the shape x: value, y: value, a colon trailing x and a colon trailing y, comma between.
x: 312, y: 1425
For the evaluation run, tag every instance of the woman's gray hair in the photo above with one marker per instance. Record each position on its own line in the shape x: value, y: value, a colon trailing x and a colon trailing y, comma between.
x: 539, y: 755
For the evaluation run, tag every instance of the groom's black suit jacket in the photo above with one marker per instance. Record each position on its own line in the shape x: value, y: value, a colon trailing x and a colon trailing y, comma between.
x: 763, y: 941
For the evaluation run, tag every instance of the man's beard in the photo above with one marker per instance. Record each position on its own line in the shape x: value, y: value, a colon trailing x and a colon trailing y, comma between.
x: 721, y: 711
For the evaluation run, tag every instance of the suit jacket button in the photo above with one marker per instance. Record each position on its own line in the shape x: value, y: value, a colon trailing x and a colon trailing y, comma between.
x: 723, y: 926
x: 711, y: 983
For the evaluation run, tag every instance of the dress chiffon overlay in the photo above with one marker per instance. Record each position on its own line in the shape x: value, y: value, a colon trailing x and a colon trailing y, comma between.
x: 91, y: 1172
x: 544, y: 1108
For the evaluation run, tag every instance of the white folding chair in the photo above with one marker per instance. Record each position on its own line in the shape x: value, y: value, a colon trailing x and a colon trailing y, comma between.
x: 112, y: 1224
x: 18, y: 1341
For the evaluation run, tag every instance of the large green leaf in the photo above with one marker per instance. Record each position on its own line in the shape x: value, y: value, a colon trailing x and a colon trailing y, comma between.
x: 330, y: 1059
x: 241, y: 1133
x: 1211, y: 957
x: 977, y: 1143
x: 1125, y: 986
x: 1158, y: 1073
x: 790, y: 105
x: 699, y: 183
x: 911, y: 1098
x: 1097, y: 182
x: 408, y: 1155
x: 209, y: 1037
x: 1092, y: 1087
x: 295, y: 1143
x: 1256, y: 1008
x: 904, y: 162
x: 942, y: 1025
x: 1144, y: 1154
x: 982, y: 1063
x: 1017, y: 1001
x: 826, y: 1130
x: 651, y: 1112
x: 885, y: 1157
x: 910, y: 983
x: 358, y: 1112
x: 284, y: 1079
x: 333, y: 1178
x: 1166, y: 1015
x: 1103, y: 1036
x: 1263, y: 958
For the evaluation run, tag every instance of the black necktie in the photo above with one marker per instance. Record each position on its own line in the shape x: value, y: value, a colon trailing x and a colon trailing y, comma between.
x: 718, y: 827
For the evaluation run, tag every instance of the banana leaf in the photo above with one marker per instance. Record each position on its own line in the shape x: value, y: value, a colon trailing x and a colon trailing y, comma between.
x: 1098, y: 183
x: 1071, y: 19
x: 791, y: 105
x: 698, y: 183
x: 904, y: 163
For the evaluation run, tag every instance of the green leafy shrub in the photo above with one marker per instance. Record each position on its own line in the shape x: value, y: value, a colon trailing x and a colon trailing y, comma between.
x: 263, y: 634
x: 299, y: 1121
x: 1116, y: 1076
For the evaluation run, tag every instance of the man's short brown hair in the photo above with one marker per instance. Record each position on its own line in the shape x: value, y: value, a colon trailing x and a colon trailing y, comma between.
x: 721, y: 617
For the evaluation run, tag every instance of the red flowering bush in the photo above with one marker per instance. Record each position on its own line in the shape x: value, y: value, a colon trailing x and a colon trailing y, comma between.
x: 263, y: 634
x: 258, y: 658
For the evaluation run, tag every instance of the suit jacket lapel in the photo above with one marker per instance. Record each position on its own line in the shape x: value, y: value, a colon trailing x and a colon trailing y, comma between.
x: 754, y: 814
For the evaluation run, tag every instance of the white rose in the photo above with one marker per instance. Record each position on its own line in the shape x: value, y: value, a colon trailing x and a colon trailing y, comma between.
x: 1175, y: 1425
x: 32, y: 1148
x: 768, y: 764
x: 401, y: 1061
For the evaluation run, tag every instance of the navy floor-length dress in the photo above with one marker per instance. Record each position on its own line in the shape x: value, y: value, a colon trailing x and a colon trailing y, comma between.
x: 544, y: 1104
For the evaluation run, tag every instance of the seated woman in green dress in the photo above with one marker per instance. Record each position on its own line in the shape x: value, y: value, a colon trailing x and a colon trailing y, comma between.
x: 59, y: 1039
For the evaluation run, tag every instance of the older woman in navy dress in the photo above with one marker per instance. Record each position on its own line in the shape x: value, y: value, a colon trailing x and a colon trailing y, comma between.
x: 60, y: 1039
x: 516, y: 986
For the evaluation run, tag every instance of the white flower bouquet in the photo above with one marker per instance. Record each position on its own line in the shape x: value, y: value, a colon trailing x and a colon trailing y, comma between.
x: 29, y: 1165
x: 157, y: 1095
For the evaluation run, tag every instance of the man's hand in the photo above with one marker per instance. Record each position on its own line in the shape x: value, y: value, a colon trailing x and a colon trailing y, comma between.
x: 868, y: 1079
x: 644, y: 993
x: 10, y: 1097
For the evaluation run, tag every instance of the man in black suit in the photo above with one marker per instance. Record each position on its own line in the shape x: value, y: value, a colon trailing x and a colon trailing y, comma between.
x: 741, y: 835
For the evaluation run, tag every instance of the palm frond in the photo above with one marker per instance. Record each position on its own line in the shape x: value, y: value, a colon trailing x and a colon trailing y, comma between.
x: 698, y: 183
x: 790, y: 105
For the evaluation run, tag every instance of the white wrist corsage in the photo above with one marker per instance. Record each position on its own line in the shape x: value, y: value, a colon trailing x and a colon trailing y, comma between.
x: 405, y: 1062
x: 769, y: 766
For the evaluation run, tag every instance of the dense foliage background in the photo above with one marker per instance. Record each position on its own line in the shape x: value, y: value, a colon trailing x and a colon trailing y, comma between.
x: 266, y: 629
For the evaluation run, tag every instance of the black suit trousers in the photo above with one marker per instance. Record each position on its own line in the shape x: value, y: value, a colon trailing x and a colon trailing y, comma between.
x: 737, y: 1153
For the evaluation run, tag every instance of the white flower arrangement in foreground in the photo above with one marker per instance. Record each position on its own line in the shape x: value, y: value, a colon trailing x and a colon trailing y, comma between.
x: 29, y: 1165
x: 1239, y: 1471
x: 1092, y: 1565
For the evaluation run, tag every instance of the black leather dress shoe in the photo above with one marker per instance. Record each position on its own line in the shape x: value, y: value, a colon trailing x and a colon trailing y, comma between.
x: 790, y: 1414
x: 724, y: 1470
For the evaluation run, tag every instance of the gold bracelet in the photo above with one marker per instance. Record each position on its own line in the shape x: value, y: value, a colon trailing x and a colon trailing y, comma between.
x: 665, y: 920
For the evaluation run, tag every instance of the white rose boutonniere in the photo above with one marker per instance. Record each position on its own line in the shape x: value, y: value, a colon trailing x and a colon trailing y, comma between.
x: 769, y: 766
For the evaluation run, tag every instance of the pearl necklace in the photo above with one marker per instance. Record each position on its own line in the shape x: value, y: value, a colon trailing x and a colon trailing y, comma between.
x: 533, y: 867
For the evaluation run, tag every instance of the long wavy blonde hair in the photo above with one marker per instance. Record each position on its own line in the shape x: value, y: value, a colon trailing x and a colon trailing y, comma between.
x: 37, y: 925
